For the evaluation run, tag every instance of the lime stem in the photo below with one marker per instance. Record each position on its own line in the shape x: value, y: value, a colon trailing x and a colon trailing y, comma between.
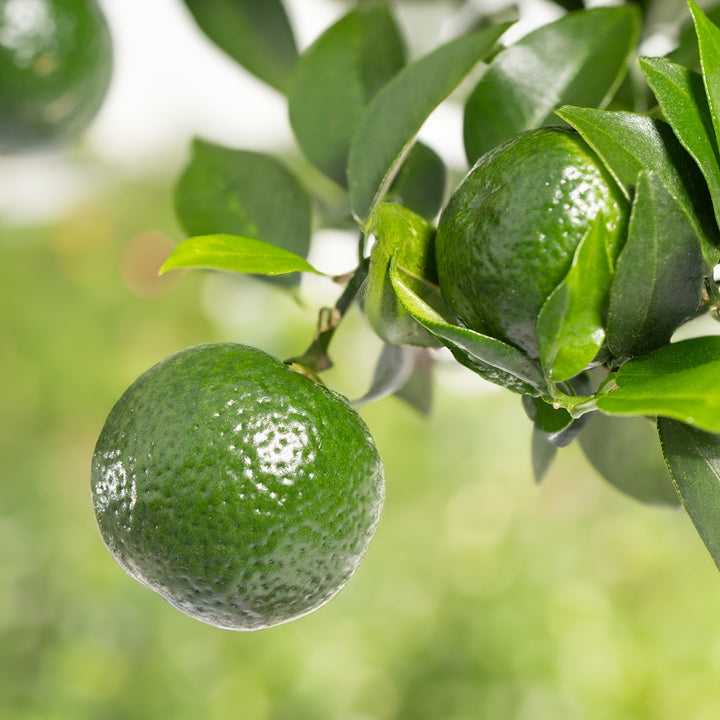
x: 316, y: 358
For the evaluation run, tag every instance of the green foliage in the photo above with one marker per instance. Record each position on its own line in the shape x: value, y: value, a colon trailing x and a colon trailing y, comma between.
x: 256, y: 35
x: 579, y: 59
x: 606, y: 353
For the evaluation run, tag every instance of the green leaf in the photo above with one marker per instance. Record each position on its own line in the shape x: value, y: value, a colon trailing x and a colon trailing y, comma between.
x: 236, y: 192
x: 417, y: 392
x: 335, y: 79
x: 686, y: 53
x: 659, y: 273
x: 625, y: 451
x: 681, y: 95
x: 570, y: 326
x: 628, y: 143
x: 420, y: 183
x: 679, y: 381
x: 579, y: 59
x: 709, y: 46
x: 410, y: 240
x: 693, y: 459
x: 255, y: 34
x: 236, y: 254
x: 557, y: 425
x: 542, y: 453
x: 394, y: 116
x: 496, y: 361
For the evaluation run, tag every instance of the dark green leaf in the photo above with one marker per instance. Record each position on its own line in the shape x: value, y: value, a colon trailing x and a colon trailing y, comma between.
x: 693, y: 459
x: 420, y: 183
x: 579, y: 59
x: 626, y: 453
x: 255, y: 34
x: 236, y: 254
x: 557, y: 425
x: 392, y: 371
x: 686, y: 53
x: 335, y: 79
x: 679, y: 381
x: 504, y: 364
x: 709, y: 47
x: 543, y: 453
x: 394, y: 116
x: 236, y: 192
x: 659, y: 274
x: 628, y: 143
x: 570, y: 326
x: 417, y: 392
x: 681, y: 95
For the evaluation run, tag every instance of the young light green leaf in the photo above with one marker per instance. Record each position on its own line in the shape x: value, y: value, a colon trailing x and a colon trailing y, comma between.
x: 255, y: 34
x: 625, y: 451
x: 335, y: 79
x: 570, y: 326
x: 628, y: 143
x: 410, y: 240
x: 236, y: 192
x: 394, y: 116
x: 579, y: 59
x: 659, y: 273
x: 708, y: 36
x: 679, y: 381
x: 681, y: 95
x: 236, y: 254
x: 497, y: 361
x: 693, y: 459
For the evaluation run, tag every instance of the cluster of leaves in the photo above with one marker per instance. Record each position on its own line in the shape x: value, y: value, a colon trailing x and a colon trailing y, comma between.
x: 356, y: 105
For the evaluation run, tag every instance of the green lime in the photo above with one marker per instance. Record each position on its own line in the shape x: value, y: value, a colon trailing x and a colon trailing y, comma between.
x: 508, y: 235
x: 243, y: 492
x: 55, y: 68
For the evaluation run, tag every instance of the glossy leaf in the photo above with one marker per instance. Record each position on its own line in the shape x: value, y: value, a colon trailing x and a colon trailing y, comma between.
x: 570, y: 326
x: 679, y: 381
x: 236, y: 254
x: 626, y: 453
x: 394, y: 116
x: 410, y: 240
x: 236, y: 192
x: 505, y: 364
x: 628, y: 143
x: 708, y: 36
x: 659, y: 273
x: 693, y: 459
x: 255, y: 34
x: 335, y: 79
x: 420, y: 183
x: 579, y: 59
x: 681, y: 95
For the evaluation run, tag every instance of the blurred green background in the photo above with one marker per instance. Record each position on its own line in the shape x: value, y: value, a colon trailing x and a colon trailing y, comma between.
x: 482, y: 596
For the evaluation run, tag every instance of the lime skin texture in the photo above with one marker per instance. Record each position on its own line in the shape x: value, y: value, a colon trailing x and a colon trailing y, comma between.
x: 55, y: 70
x: 243, y: 492
x: 507, y: 237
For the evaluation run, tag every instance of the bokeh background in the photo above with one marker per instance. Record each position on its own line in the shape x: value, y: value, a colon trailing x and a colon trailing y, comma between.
x: 483, y: 594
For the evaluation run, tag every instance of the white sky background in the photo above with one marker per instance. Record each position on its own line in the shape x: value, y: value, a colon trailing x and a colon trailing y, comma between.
x: 171, y: 84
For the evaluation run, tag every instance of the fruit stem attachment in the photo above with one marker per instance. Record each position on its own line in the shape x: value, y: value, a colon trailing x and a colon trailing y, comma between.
x: 316, y: 358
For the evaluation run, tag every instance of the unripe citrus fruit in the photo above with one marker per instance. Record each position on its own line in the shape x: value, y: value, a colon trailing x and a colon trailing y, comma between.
x: 55, y: 68
x: 243, y: 492
x: 508, y: 235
